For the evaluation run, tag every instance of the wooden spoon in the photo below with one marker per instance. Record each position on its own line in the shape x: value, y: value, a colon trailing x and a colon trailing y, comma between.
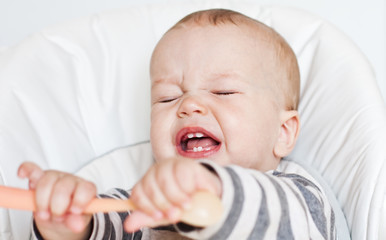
x: 206, y: 207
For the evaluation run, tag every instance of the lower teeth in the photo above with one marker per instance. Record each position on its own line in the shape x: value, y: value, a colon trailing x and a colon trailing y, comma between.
x: 197, y: 149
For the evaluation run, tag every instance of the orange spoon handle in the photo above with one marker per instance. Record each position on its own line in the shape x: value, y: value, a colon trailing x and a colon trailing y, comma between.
x: 17, y: 198
x: 25, y: 200
x: 206, y: 207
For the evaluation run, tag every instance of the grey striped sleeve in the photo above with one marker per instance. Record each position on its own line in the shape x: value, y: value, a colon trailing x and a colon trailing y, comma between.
x: 315, y: 205
x: 269, y: 206
x: 262, y: 221
x: 235, y: 211
x: 257, y: 205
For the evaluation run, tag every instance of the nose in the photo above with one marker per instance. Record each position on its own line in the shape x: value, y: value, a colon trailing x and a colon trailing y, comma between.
x: 191, y: 105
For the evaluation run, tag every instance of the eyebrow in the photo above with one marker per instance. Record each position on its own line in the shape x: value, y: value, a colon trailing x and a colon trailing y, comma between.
x: 164, y: 80
x: 213, y: 76
x: 218, y: 76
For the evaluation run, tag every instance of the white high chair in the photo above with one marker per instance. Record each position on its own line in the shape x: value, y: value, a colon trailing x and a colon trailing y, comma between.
x: 79, y: 90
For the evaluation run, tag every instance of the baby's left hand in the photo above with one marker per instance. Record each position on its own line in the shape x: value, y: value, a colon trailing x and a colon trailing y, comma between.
x: 166, y: 190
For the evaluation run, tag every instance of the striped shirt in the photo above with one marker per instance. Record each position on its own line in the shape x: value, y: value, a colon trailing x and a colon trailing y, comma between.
x: 283, y: 204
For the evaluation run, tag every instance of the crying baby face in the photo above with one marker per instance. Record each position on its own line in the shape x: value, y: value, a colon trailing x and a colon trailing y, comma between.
x: 213, y: 98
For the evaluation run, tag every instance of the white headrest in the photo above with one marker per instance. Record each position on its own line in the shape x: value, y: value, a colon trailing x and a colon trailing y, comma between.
x: 75, y: 91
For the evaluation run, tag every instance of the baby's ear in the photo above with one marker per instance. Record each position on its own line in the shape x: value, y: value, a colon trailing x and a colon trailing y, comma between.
x: 289, y: 131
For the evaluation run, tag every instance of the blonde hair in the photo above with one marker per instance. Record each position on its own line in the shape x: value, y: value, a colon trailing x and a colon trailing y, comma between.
x: 289, y: 84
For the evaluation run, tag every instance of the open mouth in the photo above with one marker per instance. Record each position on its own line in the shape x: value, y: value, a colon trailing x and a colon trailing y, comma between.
x: 196, y: 142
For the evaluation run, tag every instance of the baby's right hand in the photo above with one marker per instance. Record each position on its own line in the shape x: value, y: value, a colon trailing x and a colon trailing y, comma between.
x: 60, y: 200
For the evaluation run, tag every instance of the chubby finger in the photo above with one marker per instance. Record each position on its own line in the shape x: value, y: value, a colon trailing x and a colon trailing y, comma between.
x: 170, y: 185
x: 62, y: 192
x: 43, y: 192
x: 142, y: 202
x: 84, y: 192
x: 152, y: 190
x: 184, y: 174
x: 31, y: 171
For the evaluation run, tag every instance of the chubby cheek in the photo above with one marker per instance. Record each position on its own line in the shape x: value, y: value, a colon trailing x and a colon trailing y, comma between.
x: 251, y: 149
x: 245, y: 149
x: 161, y: 137
x: 250, y: 139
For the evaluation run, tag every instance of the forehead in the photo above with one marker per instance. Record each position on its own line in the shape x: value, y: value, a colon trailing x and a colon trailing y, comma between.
x: 202, y: 51
x: 191, y: 39
x: 195, y: 34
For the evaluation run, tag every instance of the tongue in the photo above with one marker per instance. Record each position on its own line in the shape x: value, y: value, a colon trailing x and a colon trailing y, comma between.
x: 200, y: 142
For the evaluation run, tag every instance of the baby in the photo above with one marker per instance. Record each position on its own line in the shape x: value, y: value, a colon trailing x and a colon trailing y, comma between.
x: 225, y: 92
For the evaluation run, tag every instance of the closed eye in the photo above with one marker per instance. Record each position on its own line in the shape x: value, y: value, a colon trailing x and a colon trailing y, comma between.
x: 224, y: 93
x: 167, y: 100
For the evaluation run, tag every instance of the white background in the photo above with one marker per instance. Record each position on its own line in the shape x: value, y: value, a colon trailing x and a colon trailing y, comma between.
x: 363, y: 21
